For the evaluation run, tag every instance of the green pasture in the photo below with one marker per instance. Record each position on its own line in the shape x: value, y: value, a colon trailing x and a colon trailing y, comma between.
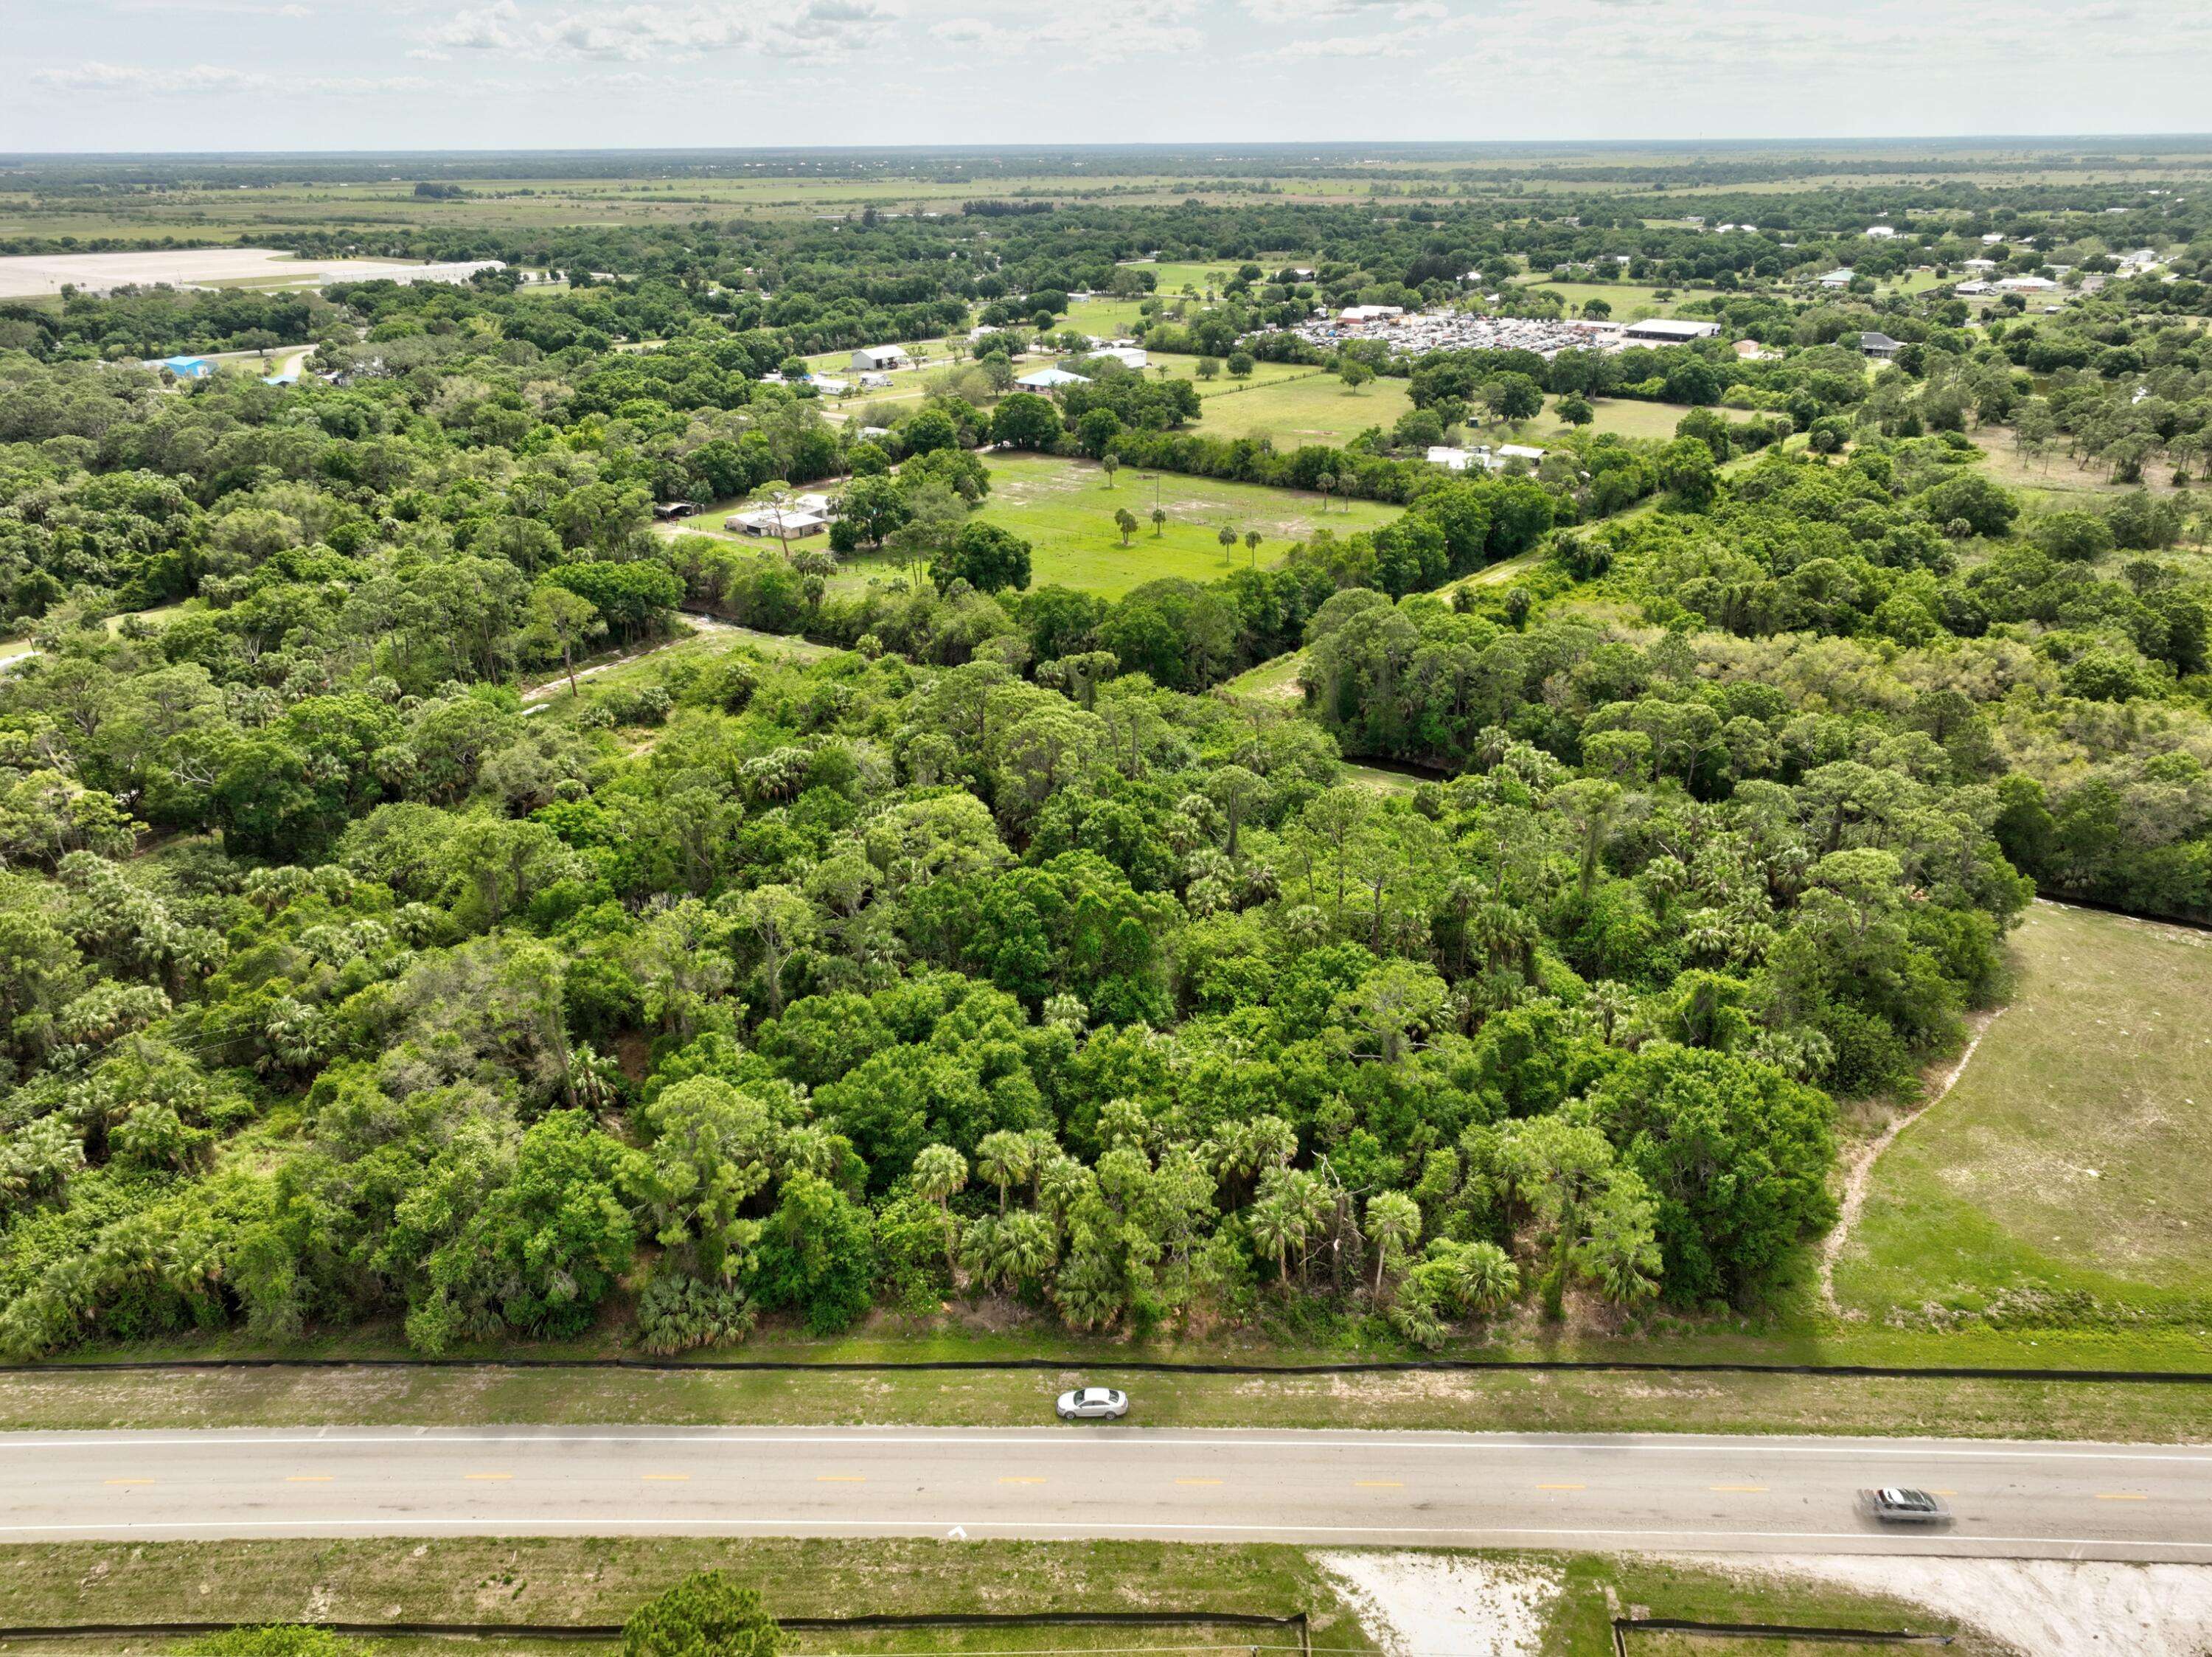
x: 2066, y: 1165
x: 1065, y: 510
x: 1631, y: 301
x: 1623, y: 417
x: 1108, y: 318
x: 1170, y: 277
x: 1301, y: 407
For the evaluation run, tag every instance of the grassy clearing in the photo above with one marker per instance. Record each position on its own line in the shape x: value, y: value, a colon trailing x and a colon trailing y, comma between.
x: 1622, y: 416
x: 1271, y: 681
x: 2056, y: 478
x: 584, y: 1579
x: 2069, y: 1158
x: 1170, y: 277
x: 1631, y: 301
x: 714, y: 520
x: 1109, y: 319
x: 700, y: 640
x: 1319, y: 409
x: 216, y: 214
x: 1065, y: 510
x: 1314, y: 408
x: 1376, y: 780
x: 1181, y: 367
x: 156, y: 617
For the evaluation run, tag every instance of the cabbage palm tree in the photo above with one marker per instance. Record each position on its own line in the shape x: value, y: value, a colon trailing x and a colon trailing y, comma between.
x: 1005, y: 1158
x: 939, y: 1172
x: 1394, y: 1223
x: 1278, y: 1228
x: 1488, y: 1279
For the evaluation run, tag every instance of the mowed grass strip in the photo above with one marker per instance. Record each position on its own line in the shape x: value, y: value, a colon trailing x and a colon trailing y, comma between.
x: 1500, y: 1401
x: 1065, y: 510
x: 2069, y: 1156
x: 602, y: 1580
x: 567, y: 1580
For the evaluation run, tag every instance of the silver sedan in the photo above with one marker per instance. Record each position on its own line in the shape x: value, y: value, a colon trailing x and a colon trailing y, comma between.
x: 1093, y: 1403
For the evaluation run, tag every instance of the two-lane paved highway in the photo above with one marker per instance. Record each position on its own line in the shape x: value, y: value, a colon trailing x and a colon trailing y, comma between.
x: 1759, y: 1495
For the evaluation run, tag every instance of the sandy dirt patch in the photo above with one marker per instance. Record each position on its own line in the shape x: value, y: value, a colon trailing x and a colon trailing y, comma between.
x: 2041, y: 1607
x: 1419, y: 1605
x: 30, y: 274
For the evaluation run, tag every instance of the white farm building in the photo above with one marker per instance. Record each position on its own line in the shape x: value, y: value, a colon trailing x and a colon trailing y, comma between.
x: 1050, y: 380
x: 1669, y: 330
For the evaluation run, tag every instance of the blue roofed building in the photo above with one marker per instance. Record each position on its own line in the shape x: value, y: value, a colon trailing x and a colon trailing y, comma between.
x: 186, y: 367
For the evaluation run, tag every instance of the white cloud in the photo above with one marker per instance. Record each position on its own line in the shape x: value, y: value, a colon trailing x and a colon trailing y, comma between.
x: 196, y: 80
x: 1282, y: 12
x: 1399, y: 45
x: 961, y: 30
x: 130, y: 77
x: 1138, y: 28
x: 489, y: 28
x: 217, y: 8
x: 648, y: 31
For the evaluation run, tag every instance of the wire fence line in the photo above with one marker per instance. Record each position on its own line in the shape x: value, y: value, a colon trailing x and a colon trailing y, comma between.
x: 1145, y: 1367
x: 1296, y: 1623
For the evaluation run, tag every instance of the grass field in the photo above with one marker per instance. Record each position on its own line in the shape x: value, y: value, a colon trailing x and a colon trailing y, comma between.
x: 1109, y: 319
x: 1631, y: 302
x: 2068, y: 1158
x: 1263, y: 376
x: 1065, y: 510
x: 1170, y: 277
x: 557, y: 1581
x: 570, y: 1580
x: 214, y: 213
x: 1302, y: 408
x: 1623, y: 417
x: 2054, y: 478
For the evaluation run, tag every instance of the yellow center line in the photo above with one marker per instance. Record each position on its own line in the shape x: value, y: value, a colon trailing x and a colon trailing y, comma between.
x: 2122, y: 1496
x: 307, y: 1479
x: 1021, y: 1481
x: 666, y: 1478
x: 488, y: 1476
x: 1737, y: 1489
x: 840, y: 1478
x: 1563, y: 1487
x: 1381, y: 1484
x: 126, y: 1481
x: 1197, y: 1481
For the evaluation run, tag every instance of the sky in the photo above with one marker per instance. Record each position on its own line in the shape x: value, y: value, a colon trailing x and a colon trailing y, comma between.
x: 153, y: 74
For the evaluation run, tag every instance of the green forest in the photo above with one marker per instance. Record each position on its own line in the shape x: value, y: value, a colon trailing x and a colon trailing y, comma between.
x: 364, y: 966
